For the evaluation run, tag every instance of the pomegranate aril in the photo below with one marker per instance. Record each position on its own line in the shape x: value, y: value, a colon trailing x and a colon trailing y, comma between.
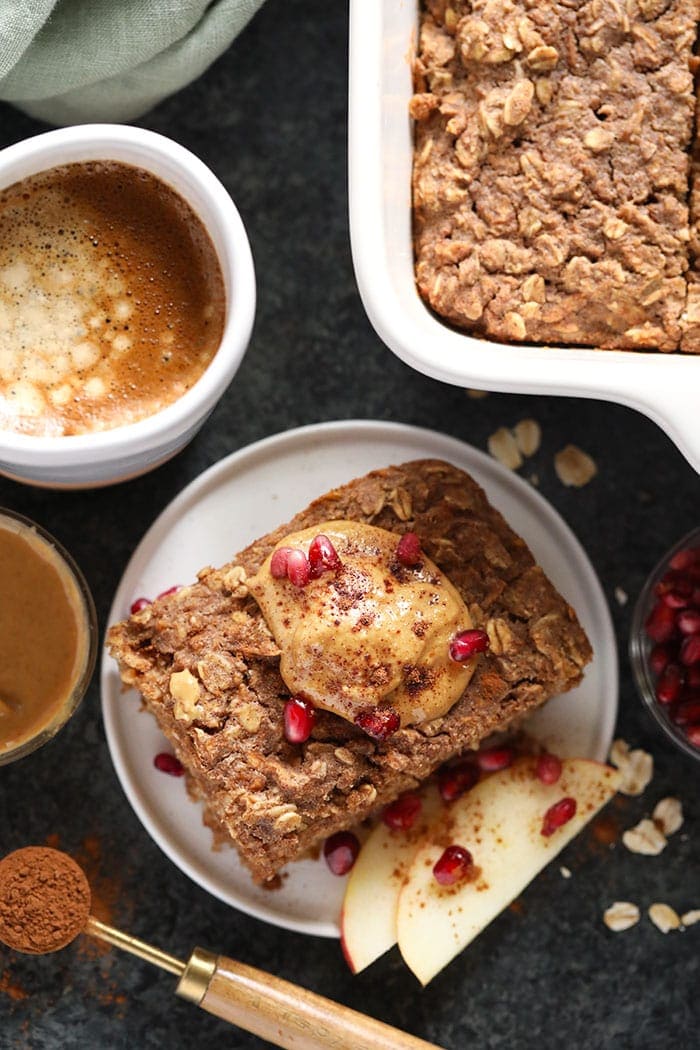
x: 456, y: 780
x: 558, y: 815
x: 171, y: 590
x: 693, y: 734
x: 298, y: 568
x: 683, y: 559
x: 467, y: 644
x: 688, y: 621
x: 687, y: 712
x: 548, y: 768
x: 169, y: 764
x: 494, y: 758
x: 340, y: 851
x: 661, y: 623
x: 659, y: 658
x: 668, y: 687
x: 408, y: 551
x: 689, y: 653
x: 378, y: 722
x: 674, y: 587
x: 402, y: 814
x: 679, y: 598
x: 299, y: 719
x: 453, y: 866
x: 692, y: 677
x: 323, y: 557
x: 278, y: 563
x: 139, y: 604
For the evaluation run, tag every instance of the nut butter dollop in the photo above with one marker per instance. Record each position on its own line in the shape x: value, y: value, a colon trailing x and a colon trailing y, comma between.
x: 373, y: 632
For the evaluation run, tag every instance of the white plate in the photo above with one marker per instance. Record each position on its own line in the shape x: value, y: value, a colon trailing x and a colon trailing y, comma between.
x: 246, y: 495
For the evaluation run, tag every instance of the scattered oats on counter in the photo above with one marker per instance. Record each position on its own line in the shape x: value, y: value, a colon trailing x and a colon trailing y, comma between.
x: 621, y: 597
x: 668, y: 815
x: 636, y: 767
x: 477, y: 395
x: 503, y: 447
x: 565, y: 872
x: 646, y: 838
x: 664, y: 917
x: 621, y: 915
x: 689, y: 918
x: 534, y: 479
x: 574, y: 467
x: 528, y: 436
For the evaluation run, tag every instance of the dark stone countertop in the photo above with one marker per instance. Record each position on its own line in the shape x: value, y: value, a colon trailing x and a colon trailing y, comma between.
x: 270, y: 119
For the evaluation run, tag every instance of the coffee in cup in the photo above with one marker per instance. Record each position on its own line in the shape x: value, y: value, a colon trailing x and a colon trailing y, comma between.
x: 112, y: 300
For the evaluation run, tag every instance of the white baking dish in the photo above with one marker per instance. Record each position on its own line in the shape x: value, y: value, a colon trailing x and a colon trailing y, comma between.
x: 382, y: 38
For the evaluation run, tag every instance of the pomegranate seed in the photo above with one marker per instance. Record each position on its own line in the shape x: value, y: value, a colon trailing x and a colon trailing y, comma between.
x: 674, y: 587
x: 661, y: 623
x: 278, y: 563
x: 298, y: 568
x: 692, y: 677
x: 452, y: 866
x: 683, y: 559
x: 456, y: 780
x: 401, y: 814
x: 659, y: 657
x: 687, y: 712
x: 378, y: 722
x: 139, y: 604
x: 693, y: 734
x: 169, y: 764
x: 299, y: 719
x: 340, y: 851
x: 548, y: 768
x: 323, y: 557
x: 679, y: 598
x: 495, y: 758
x: 409, y: 550
x: 668, y: 687
x: 467, y: 644
x: 690, y: 650
x: 688, y: 621
x: 558, y: 815
x: 171, y: 590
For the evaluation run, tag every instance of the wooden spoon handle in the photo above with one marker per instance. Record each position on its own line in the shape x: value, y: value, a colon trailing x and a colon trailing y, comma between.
x: 289, y: 1016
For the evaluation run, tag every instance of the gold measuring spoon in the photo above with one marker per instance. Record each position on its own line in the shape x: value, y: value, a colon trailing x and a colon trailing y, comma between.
x: 45, y: 904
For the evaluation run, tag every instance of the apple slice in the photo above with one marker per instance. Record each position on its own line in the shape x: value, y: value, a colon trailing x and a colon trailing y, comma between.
x: 500, y: 822
x: 368, y: 917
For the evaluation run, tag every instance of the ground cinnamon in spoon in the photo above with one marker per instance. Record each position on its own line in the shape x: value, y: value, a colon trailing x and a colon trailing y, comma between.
x: 44, y: 900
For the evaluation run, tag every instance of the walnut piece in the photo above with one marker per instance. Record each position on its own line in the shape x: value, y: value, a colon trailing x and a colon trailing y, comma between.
x: 184, y: 689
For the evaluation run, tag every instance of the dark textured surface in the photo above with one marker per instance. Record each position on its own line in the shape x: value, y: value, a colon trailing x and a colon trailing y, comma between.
x: 270, y: 119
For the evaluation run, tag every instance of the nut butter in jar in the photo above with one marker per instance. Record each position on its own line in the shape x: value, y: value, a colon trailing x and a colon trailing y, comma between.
x: 48, y: 636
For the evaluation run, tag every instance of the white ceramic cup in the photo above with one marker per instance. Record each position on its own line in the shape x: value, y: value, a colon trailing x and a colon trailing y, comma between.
x: 104, y: 457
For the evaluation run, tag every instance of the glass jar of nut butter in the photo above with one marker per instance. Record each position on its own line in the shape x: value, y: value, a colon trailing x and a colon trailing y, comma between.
x: 48, y: 636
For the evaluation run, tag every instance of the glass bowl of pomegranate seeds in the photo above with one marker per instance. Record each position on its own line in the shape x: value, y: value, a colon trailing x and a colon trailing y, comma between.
x: 665, y: 643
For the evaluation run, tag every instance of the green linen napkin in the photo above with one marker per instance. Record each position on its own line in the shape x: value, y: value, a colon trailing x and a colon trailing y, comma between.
x: 72, y: 61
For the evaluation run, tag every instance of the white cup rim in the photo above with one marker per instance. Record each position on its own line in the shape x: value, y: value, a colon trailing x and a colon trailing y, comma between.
x: 108, y: 142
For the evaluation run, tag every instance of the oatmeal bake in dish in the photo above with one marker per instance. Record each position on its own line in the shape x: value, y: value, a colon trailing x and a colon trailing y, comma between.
x: 336, y: 662
x: 555, y: 198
